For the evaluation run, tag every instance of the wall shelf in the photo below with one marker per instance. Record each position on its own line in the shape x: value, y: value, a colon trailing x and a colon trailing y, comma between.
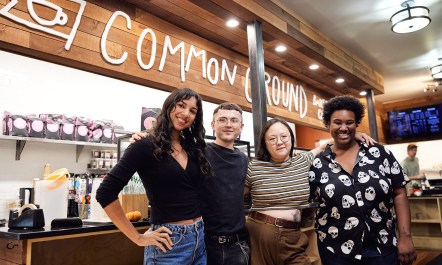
x: 99, y: 170
x: 21, y: 142
x: 426, y: 222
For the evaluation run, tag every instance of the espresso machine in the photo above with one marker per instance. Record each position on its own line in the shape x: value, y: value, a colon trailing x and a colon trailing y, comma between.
x: 435, y: 188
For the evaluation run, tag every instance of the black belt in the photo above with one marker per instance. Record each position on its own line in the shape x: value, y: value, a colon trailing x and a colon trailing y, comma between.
x: 226, y: 239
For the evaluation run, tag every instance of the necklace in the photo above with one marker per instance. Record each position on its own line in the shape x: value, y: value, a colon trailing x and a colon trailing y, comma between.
x: 174, y: 149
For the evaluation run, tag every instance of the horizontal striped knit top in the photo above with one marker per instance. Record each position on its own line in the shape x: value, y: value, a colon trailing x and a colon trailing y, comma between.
x: 279, y: 186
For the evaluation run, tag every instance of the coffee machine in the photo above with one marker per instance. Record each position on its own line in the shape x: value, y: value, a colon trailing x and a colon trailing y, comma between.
x: 435, y: 188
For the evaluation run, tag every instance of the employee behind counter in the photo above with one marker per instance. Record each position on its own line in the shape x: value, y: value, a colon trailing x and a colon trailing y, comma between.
x: 411, y: 167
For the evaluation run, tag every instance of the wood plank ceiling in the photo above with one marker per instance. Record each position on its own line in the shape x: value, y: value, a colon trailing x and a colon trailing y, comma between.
x: 207, y: 18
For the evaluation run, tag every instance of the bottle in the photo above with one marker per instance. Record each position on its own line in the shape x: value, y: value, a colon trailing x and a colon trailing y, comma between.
x: 46, y: 170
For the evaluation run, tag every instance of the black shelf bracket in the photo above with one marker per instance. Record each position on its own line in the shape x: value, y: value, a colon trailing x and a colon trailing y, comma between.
x: 79, y: 150
x: 19, y: 146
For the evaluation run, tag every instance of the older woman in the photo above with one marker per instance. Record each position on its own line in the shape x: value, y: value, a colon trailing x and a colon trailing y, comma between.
x: 363, y: 215
x: 278, y: 185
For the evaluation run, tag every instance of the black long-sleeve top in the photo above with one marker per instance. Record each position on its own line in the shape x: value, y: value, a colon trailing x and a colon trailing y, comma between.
x: 171, y: 189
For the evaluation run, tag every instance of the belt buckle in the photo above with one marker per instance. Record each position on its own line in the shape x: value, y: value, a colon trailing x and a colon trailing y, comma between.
x: 276, y: 222
x: 222, y: 239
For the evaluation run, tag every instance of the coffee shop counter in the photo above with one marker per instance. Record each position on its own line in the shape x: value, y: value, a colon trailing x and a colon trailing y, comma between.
x: 93, y: 243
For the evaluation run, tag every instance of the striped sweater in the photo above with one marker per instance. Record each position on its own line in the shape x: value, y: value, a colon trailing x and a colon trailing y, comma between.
x: 279, y: 186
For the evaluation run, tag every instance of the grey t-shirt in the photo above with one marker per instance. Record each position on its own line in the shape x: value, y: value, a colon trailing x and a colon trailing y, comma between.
x: 411, y: 167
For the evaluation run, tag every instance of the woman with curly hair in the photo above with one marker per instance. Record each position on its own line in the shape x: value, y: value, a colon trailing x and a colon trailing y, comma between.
x: 363, y: 216
x: 172, y: 165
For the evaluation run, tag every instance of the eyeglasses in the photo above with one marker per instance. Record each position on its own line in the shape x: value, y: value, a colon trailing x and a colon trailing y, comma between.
x: 224, y: 121
x: 284, y: 138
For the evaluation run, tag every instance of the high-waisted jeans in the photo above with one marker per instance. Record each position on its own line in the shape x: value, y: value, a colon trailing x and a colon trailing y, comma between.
x: 188, y: 246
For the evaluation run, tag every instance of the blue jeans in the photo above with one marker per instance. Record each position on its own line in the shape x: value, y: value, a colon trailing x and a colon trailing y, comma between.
x: 235, y: 253
x: 188, y: 246
x: 370, y: 256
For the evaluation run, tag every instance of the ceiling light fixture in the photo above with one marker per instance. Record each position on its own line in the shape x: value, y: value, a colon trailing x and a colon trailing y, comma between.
x: 434, y: 88
x: 340, y: 80
x: 363, y: 93
x: 280, y: 48
x: 313, y: 66
x: 410, y: 19
x: 232, y: 23
x: 436, y: 71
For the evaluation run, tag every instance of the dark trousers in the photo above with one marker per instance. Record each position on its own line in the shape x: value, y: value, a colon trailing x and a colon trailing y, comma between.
x: 370, y: 256
x: 234, y: 253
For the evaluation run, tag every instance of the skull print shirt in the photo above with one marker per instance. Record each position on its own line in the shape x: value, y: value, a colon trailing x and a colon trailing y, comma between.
x: 357, y: 205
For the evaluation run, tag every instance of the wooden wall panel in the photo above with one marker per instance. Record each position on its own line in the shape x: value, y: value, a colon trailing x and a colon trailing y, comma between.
x: 306, y: 137
x: 203, y: 21
x: 298, y: 43
x: 85, y: 52
x: 315, y: 40
x: 428, y: 98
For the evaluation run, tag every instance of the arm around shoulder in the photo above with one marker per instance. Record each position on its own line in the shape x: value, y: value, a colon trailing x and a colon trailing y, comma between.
x: 322, y: 147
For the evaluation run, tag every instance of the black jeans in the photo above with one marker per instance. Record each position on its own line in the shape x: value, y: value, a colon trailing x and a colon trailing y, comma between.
x: 235, y: 253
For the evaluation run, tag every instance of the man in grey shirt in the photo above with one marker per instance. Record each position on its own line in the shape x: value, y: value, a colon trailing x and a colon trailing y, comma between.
x: 411, y: 167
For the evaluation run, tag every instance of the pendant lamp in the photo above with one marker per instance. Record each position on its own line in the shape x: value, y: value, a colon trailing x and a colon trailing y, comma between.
x: 410, y: 19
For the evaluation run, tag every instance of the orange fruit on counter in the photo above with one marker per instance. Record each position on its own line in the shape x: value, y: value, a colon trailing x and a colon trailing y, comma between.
x: 130, y: 216
x: 137, y: 215
x: 133, y: 216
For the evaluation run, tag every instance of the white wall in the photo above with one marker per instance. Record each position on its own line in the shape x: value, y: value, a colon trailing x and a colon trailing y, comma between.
x: 29, y: 86
x: 429, y: 154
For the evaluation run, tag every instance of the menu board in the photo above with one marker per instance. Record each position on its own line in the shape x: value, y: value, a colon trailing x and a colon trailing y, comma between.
x: 422, y: 122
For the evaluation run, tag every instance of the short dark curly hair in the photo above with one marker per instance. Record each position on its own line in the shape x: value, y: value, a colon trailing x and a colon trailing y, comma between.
x: 343, y: 103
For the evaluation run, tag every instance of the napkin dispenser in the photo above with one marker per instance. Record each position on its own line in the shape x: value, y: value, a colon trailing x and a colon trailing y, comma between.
x: 28, y: 216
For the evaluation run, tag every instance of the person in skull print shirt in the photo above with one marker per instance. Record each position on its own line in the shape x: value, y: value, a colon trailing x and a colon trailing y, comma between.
x: 361, y: 195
